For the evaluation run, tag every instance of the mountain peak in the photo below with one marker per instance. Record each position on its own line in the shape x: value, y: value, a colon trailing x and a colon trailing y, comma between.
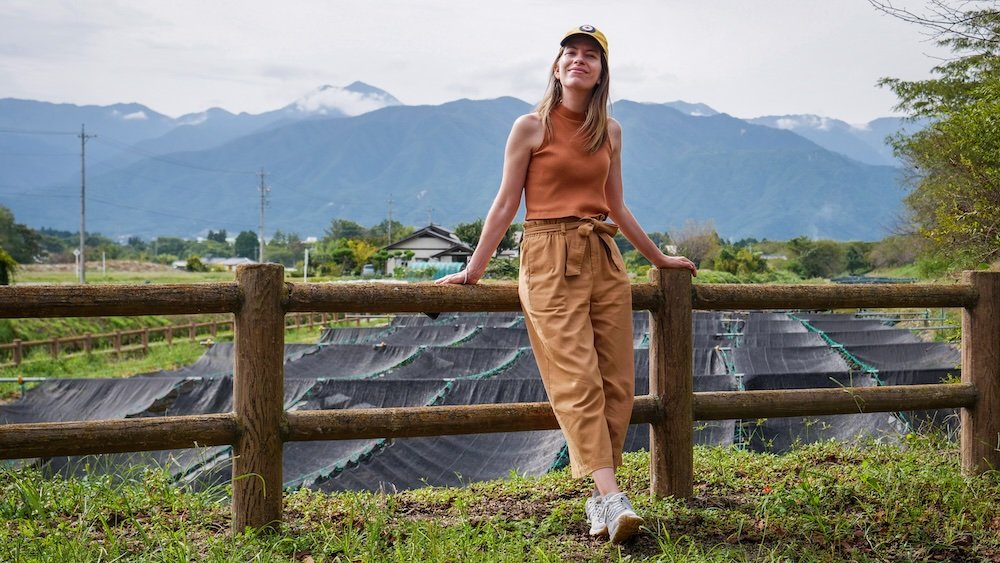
x: 354, y: 99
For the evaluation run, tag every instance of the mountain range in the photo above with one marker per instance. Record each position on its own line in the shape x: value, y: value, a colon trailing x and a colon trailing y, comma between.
x: 357, y: 153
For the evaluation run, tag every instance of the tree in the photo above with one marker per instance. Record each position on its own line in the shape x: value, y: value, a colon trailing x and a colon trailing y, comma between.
x: 246, y: 245
x: 344, y: 229
x: 136, y: 244
x: 171, y: 245
x: 820, y: 259
x: 379, y: 234
x: 857, y: 261
x: 21, y: 243
x: 361, y: 251
x: 955, y: 161
x: 217, y: 236
x: 697, y: 241
x: 469, y: 233
x: 739, y: 261
x: 8, y: 266
x: 194, y: 264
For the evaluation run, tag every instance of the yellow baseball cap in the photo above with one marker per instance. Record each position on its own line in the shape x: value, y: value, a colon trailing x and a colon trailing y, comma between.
x: 589, y: 31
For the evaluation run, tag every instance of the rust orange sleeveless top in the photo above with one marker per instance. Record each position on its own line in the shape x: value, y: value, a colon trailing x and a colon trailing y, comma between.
x: 563, y: 179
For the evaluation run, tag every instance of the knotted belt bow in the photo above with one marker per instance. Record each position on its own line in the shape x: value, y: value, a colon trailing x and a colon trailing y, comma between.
x: 577, y: 245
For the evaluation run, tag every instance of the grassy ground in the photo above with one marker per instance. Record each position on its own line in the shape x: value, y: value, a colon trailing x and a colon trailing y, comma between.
x: 824, y: 502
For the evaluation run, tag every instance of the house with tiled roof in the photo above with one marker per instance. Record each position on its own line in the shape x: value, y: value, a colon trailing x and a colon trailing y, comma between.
x: 432, y: 243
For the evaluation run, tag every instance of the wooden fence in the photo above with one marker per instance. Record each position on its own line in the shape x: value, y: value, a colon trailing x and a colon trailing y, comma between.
x: 260, y: 299
x: 121, y: 341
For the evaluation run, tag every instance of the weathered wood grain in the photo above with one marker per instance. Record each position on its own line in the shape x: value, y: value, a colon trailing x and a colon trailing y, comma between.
x: 980, y: 429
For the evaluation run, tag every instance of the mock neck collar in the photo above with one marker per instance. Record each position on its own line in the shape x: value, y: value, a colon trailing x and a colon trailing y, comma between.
x: 569, y: 114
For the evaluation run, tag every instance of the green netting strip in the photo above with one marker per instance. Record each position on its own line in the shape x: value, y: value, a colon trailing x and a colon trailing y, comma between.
x: 561, y: 460
x: 868, y: 369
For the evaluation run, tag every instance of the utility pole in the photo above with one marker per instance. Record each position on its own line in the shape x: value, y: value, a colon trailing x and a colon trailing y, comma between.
x: 83, y: 201
x: 390, y: 220
x: 263, y: 201
x: 430, y: 215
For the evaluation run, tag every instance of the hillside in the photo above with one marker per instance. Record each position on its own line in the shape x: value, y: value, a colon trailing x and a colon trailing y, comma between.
x: 442, y: 163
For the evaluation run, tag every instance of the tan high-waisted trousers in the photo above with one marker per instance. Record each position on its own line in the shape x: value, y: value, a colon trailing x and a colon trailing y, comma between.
x: 577, y: 304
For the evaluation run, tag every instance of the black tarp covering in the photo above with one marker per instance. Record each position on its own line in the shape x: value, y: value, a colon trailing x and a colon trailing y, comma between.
x: 455, y: 363
x: 407, y: 463
x: 849, y: 325
x: 489, y: 359
x: 61, y: 400
x: 354, y: 335
x: 350, y: 361
x: 779, y: 435
x: 305, y: 462
x: 908, y: 356
x: 862, y: 338
x: 781, y: 340
x: 801, y: 359
x: 217, y: 361
x: 428, y: 335
x: 189, y: 397
x: 754, y: 325
x: 498, y: 337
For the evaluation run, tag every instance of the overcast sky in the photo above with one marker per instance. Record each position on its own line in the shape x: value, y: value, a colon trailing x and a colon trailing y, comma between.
x: 744, y: 57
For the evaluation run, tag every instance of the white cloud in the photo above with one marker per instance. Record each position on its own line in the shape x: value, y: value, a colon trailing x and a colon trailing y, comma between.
x: 351, y: 103
x: 196, y: 119
x: 804, y: 122
x: 135, y: 116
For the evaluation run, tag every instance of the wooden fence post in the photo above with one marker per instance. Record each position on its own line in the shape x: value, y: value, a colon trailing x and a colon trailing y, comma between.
x: 54, y: 346
x: 88, y: 343
x: 17, y: 352
x: 145, y: 340
x: 117, y: 343
x: 193, y: 332
x: 671, y: 439
x: 980, y: 433
x: 258, y: 393
x: 169, y: 335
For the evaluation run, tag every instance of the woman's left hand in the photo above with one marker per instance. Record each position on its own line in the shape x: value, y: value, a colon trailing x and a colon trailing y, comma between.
x: 677, y: 262
x: 461, y: 278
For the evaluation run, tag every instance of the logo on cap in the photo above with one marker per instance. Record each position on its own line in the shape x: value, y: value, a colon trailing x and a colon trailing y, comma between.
x: 588, y: 28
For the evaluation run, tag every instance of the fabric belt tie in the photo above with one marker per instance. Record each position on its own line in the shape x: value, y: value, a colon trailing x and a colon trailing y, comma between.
x: 577, y: 245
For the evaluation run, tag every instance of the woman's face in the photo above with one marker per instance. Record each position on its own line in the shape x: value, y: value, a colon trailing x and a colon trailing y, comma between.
x: 579, y: 66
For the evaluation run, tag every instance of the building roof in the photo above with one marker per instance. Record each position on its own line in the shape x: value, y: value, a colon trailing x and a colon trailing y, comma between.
x: 436, y: 232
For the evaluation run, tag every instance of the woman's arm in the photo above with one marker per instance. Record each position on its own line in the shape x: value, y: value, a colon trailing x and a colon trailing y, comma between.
x: 622, y: 216
x: 525, y: 136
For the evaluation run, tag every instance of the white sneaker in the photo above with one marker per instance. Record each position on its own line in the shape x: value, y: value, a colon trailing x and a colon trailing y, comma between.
x: 595, y: 515
x: 621, y: 519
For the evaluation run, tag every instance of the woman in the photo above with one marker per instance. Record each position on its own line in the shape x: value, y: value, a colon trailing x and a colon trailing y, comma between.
x: 566, y: 158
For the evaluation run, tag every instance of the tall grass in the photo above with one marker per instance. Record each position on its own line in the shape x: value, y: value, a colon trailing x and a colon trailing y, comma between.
x: 823, y: 502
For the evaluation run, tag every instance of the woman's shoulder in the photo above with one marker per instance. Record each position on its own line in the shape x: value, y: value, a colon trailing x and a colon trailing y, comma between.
x: 529, y: 121
x: 614, y: 127
x: 528, y: 130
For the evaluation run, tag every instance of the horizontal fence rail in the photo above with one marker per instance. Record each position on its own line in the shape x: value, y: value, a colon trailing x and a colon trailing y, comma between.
x: 721, y: 297
x: 18, y: 301
x: 258, y: 426
x: 170, y: 432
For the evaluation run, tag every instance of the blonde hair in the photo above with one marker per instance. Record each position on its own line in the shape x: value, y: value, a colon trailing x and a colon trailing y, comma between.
x: 595, y: 125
